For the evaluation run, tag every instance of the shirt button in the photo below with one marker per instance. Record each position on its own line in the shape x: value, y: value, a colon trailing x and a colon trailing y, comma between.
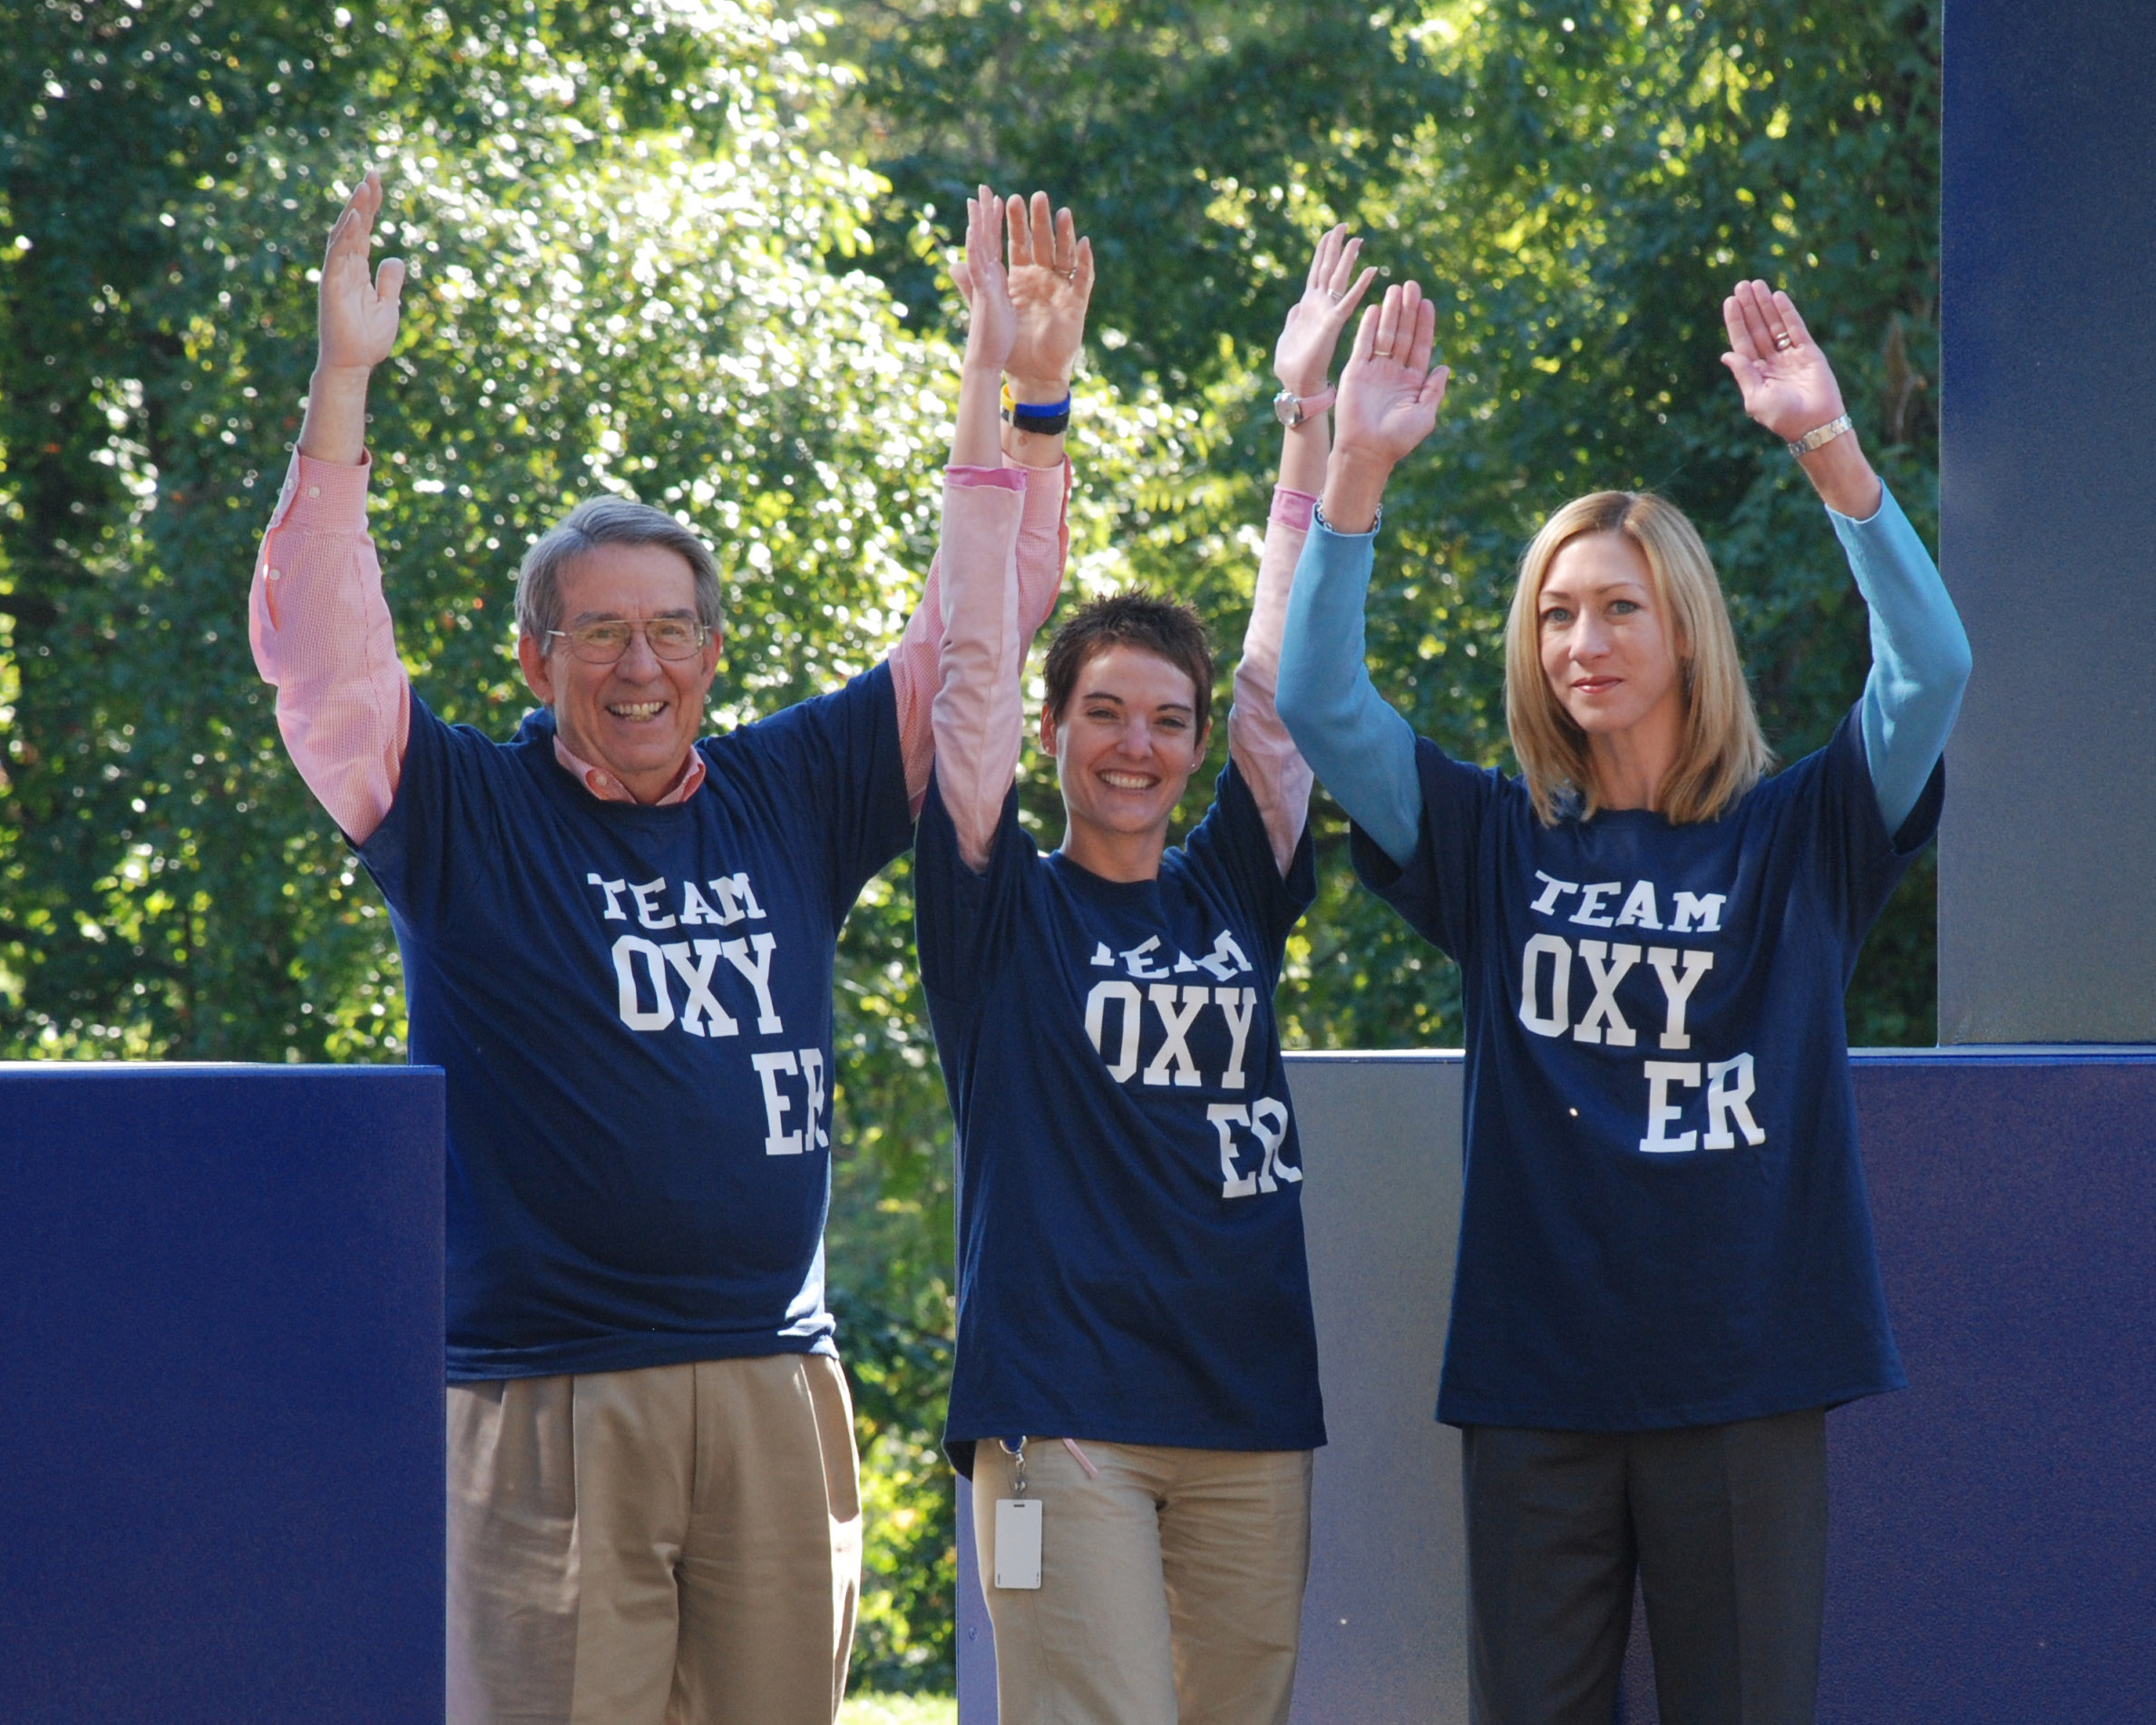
x: 599, y: 778
x: 314, y: 491
x: 275, y: 573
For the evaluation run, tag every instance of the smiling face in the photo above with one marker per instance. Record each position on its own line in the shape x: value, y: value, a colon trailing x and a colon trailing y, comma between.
x: 1126, y: 746
x: 1606, y: 646
x: 638, y: 718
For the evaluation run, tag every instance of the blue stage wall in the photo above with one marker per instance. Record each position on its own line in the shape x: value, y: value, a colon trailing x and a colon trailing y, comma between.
x: 2047, y: 520
x: 221, y: 1425
x: 2000, y: 1513
x: 1993, y: 1537
x: 1992, y: 1557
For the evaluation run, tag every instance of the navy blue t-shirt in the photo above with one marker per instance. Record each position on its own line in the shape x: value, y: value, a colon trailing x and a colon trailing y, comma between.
x: 633, y: 1005
x: 1665, y: 1221
x: 1130, y: 1215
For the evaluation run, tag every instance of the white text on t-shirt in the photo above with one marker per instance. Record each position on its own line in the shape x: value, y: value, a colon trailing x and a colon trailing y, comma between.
x: 1550, y: 963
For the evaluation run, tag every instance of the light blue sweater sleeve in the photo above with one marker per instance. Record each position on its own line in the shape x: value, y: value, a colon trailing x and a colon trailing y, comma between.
x: 1919, y: 655
x: 1361, y: 749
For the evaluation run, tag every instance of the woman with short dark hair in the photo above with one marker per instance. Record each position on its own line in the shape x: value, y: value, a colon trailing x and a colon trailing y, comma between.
x: 1136, y: 1392
x: 1666, y: 1272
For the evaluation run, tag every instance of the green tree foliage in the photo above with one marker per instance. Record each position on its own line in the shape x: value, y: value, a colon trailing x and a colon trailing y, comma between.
x: 663, y: 247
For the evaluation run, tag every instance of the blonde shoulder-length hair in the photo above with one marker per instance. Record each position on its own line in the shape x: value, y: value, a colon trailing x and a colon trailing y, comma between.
x: 1722, y: 755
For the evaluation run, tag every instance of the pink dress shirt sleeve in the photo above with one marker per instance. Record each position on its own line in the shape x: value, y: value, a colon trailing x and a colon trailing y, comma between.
x: 321, y: 634
x: 1271, y: 765
x: 977, y: 714
x: 916, y: 671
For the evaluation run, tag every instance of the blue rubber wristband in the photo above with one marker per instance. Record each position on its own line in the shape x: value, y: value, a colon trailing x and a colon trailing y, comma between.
x: 1022, y: 410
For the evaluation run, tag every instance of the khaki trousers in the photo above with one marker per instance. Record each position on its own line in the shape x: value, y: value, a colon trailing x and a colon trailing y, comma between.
x: 1171, y: 1586
x: 680, y: 1543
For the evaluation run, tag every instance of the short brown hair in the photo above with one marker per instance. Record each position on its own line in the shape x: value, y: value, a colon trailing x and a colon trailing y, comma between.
x: 1722, y: 755
x: 1166, y: 627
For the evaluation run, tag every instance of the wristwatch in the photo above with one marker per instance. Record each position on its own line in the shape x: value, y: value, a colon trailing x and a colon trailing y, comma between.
x: 1291, y: 409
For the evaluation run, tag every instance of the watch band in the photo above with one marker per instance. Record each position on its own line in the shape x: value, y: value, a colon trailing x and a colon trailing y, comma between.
x: 1819, y: 437
x: 1291, y: 409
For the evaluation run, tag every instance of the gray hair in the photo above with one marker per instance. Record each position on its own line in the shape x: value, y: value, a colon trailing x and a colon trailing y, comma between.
x: 606, y: 521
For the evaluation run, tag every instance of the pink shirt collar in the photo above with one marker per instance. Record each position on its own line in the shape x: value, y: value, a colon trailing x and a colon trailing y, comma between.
x: 606, y: 788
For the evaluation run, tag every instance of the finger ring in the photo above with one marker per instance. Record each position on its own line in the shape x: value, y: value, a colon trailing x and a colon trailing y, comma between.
x: 1782, y: 343
x: 1069, y: 274
x: 1381, y: 353
x: 1334, y: 295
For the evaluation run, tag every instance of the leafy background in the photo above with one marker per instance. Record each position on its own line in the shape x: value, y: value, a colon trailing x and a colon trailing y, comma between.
x: 693, y: 250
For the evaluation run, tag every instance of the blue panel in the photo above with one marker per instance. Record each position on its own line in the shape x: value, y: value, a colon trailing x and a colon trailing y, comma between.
x: 1992, y: 1558
x: 1993, y: 1552
x: 2047, y: 520
x: 221, y: 1338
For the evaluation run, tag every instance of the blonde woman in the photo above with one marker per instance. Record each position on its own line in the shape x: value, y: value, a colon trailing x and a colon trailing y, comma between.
x: 1666, y: 1271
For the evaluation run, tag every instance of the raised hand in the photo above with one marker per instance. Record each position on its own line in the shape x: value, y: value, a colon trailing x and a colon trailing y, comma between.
x: 1789, y: 388
x: 358, y: 307
x: 356, y: 312
x: 1302, y: 357
x: 1390, y: 392
x: 1051, y: 282
x: 991, y: 317
x: 1388, y: 397
x: 992, y: 329
x: 1787, y: 385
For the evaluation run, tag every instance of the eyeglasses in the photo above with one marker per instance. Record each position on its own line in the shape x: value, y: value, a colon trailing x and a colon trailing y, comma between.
x: 671, y: 638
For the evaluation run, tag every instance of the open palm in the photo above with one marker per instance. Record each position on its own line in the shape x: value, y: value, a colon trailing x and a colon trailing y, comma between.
x: 1049, y: 278
x: 1051, y: 281
x: 1787, y: 385
x: 1390, y: 392
x: 1302, y: 357
x: 358, y: 307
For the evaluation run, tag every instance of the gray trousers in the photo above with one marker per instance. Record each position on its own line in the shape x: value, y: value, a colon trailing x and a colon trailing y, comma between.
x: 1726, y: 1526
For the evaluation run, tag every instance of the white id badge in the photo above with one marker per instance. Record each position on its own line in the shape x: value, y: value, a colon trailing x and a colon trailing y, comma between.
x: 1018, y: 1541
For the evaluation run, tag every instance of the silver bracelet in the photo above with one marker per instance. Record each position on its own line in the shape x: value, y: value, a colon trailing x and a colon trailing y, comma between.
x: 1819, y: 437
x: 1317, y: 514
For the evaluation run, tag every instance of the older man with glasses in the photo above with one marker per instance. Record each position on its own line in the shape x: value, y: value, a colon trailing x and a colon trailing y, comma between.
x: 617, y: 941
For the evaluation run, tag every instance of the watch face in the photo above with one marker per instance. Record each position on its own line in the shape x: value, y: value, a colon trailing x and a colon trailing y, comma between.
x: 1287, y: 409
